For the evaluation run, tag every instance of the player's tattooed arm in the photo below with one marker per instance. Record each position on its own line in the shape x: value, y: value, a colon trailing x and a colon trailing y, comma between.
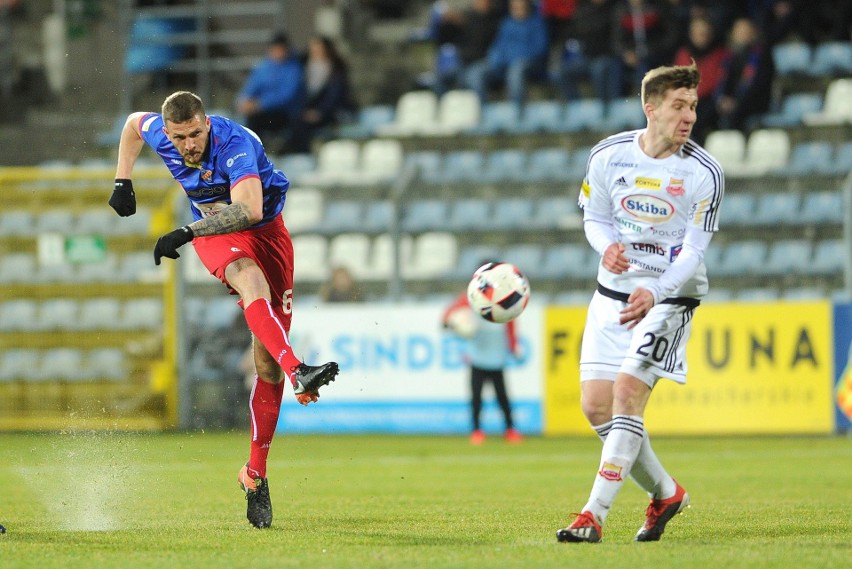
x: 234, y: 217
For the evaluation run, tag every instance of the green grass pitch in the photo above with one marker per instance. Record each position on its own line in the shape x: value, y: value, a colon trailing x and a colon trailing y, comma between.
x: 161, y: 501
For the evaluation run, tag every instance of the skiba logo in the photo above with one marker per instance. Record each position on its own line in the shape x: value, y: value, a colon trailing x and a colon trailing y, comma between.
x: 648, y: 208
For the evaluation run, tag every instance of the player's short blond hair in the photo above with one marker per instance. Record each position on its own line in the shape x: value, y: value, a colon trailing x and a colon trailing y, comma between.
x: 661, y: 79
x: 182, y: 106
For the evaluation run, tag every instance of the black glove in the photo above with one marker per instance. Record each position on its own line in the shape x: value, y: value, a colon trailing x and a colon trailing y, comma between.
x: 168, y: 244
x: 123, y: 199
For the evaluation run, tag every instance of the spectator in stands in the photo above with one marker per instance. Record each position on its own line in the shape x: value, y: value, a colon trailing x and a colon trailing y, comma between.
x: 518, y: 54
x: 272, y: 96
x: 340, y: 287
x: 328, y: 94
x: 589, y: 52
x: 708, y: 54
x: 745, y: 88
x: 559, y: 16
x: 489, y: 348
x: 646, y: 36
x: 463, y: 38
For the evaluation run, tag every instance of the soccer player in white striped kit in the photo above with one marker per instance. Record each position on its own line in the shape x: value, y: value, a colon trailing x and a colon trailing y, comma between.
x: 650, y: 203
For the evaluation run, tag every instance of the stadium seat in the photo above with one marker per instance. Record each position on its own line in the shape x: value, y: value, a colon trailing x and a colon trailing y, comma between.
x: 17, y: 267
x: 528, y: 257
x: 471, y: 258
x: 463, y: 166
x: 787, y: 256
x: 58, y: 314
x: 776, y: 208
x: 101, y: 271
x: 560, y: 212
x: 793, y: 109
x: 513, y: 214
x: 378, y: 216
x: 303, y: 209
x: 829, y: 257
x: 416, y: 113
x: 822, y: 207
x: 583, y: 114
x: 428, y: 164
x: 758, y: 294
x: 310, y: 254
x: 577, y: 163
x: 55, y: 221
x: 624, y: 114
x: 498, y: 117
x: 458, y: 111
x: 541, y: 116
x: 738, y: 209
x: 18, y: 363
x: 814, y: 157
x: 55, y: 273
x: 842, y: 164
x: 19, y: 314
x: 341, y: 216
x: 718, y: 295
x: 425, y: 215
x: 370, y: 119
x: 572, y: 297
x: 434, y: 253
x: 106, y: 364
x: 137, y: 224
x: 728, y: 147
x: 742, y: 258
x: 350, y: 250
x: 548, y: 165
x: 832, y: 58
x: 142, y: 313
x: 381, y: 161
x: 837, y: 105
x: 297, y: 166
x: 803, y: 293
x: 16, y: 223
x: 508, y: 165
x: 381, y: 262
x: 571, y: 260
x: 470, y: 214
x: 136, y: 267
x: 99, y: 313
x: 60, y: 364
x: 337, y: 161
x: 767, y: 150
x: 792, y: 58
x: 96, y: 221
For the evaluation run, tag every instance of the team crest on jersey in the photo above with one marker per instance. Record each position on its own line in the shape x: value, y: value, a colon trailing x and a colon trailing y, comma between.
x: 675, y: 187
x: 206, y: 175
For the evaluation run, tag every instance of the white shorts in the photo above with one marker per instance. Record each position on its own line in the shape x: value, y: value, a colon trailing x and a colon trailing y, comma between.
x: 655, y: 348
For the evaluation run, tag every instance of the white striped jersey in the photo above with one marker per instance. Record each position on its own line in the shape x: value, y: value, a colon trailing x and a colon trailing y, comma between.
x: 651, y: 202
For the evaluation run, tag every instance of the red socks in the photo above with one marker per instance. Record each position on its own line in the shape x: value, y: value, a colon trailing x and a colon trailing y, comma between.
x: 271, y: 330
x: 265, y: 405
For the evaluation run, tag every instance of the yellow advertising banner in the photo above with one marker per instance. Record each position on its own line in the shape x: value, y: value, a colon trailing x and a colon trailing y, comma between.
x: 753, y: 368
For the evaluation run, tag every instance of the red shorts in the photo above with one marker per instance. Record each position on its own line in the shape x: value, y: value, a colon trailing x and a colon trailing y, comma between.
x: 269, y: 246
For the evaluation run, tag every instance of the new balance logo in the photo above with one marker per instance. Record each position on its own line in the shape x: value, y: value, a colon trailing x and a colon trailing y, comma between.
x: 621, y: 182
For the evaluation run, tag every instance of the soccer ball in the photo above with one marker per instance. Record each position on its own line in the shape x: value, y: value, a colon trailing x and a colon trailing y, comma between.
x: 498, y: 292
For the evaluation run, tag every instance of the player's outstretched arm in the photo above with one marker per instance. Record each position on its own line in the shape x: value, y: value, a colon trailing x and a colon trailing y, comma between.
x: 123, y: 199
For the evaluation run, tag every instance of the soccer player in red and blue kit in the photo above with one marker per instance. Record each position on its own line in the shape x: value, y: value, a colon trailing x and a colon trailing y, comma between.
x: 236, y: 196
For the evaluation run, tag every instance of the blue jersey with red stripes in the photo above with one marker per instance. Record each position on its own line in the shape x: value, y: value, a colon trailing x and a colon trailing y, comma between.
x: 233, y: 154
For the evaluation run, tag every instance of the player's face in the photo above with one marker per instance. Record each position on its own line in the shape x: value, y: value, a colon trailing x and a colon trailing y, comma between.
x: 674, y: 116
x: 190, y: 137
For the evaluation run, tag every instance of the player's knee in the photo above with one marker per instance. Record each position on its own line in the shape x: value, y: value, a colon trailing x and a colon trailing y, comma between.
x: 597, y: 412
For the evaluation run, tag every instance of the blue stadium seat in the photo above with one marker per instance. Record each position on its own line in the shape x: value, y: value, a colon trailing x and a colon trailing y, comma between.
x: 470, y: 258
x: 815, y: 157
x: 742, y: 258
x: 791, y: 58
x: 842, y: 164
x: 758, y: 294
x: 149, y: 48
x: 296, y: 166
x: 832, y: 59
x: 548, y: 165
x: 567, y: 261
x: 378, y: 216
x: 513, y: 213
x: 583, y: 114
x: 624, y: 114
x: 462, y: 166
x: 577, y: 165
x: 787, y: 256
x: 498, y: 117
x: 829, y: 257
x: 738, y: 209
x: 559, y: 212
x: 428, y: 163
x: 342, y: 215
x: 508, y: 165
x: 470, y: 214
x: 777, y: 208
x: 804, y: 293
x: 793, y: 108
x: 425, y: 215
x: 370, y: 118
x: 822, y: 207
x: 541, y: 116
x: 527, y: 257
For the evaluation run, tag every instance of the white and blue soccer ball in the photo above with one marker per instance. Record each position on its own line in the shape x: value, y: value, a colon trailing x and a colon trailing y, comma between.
x: 498, y: 292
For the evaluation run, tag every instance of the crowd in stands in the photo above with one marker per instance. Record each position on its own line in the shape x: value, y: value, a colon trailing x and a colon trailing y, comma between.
x: 288, y: 98
x: 603, y: 48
